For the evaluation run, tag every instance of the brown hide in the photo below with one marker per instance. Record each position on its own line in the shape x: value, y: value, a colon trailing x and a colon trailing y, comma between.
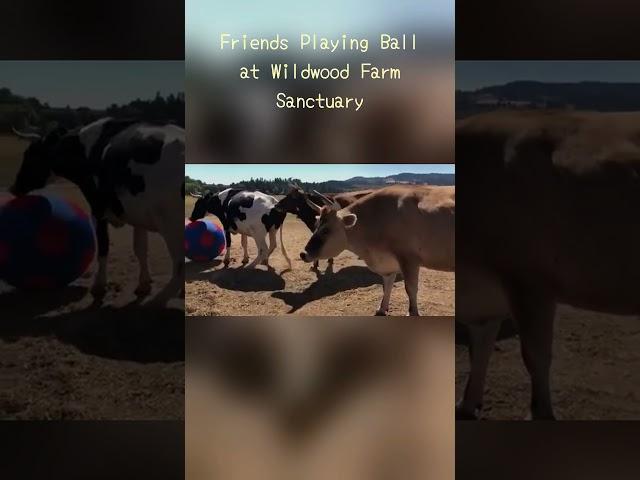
x: 347, y: 198
x: 416, y: 223
x: 550, y: 203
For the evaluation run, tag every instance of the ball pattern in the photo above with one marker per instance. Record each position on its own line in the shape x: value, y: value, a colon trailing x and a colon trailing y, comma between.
x: 204, y: 240
x: 45, y: 242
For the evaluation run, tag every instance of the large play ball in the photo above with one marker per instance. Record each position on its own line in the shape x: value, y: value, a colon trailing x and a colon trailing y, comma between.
x: 45, y: 242
x: 204, y: 240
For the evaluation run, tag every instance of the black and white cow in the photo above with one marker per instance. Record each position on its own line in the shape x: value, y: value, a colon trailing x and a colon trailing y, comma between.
x: 253, y: 214
x: 130, y: 173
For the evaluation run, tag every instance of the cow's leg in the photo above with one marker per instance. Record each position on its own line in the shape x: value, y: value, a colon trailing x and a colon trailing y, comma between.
x: 227, y: 255
x: 245, y: 257
x: 174, y: 240
x: 411, y: 274
x: 481, y: 341
x: 102, y: 238
x: 534, y: 315
x: 387, y: 286
x: 272, y: 245
x: 261, y: 243
x: 329, y: 266
x: 140, y: 248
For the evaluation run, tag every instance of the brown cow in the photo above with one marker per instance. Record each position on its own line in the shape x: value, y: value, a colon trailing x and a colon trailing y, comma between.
x: 550, y: 212
x: 394, y: 229
x: 296, y: 203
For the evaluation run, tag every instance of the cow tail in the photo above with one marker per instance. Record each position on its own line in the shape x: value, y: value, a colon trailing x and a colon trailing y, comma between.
x: 284, y: 252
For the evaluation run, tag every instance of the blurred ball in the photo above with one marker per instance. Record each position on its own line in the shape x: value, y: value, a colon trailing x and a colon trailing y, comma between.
x: 204, y: 240
x: 45, y: 242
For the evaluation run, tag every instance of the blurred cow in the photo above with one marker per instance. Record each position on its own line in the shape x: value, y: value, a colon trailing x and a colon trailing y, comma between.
x: 549, y: 214
x: 130, y: 173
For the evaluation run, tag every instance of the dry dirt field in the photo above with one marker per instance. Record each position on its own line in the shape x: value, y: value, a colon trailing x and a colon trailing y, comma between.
x: 352, y: 289
x: 64, y: 355
x: 595, y: 373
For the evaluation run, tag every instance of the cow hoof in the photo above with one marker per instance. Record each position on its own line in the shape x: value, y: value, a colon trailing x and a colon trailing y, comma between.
x: 245, y: 261
x: 226, y: 263
x: 381, y: 313
x: 143, y: 289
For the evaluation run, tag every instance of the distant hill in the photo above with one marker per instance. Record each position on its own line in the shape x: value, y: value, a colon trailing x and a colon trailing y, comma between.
x: 281, y: 185
x: 420, y: 178
x: 597, y: 96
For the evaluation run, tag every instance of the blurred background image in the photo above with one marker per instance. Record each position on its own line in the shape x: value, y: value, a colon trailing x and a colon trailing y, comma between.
x: 69, y: 350
x: 317, y: 398
x: 236, y: 121
x: 552, y: 149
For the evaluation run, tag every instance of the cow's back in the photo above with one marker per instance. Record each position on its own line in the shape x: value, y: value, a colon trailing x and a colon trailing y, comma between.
x: 551, y: 201
x: 144, y: 166
x: 413, y: 222
x: 347, y: 198
x: 246, y: 210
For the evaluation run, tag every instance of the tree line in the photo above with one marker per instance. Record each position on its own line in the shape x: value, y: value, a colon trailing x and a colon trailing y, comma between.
x: 20, y: 112
x: 275, y: 186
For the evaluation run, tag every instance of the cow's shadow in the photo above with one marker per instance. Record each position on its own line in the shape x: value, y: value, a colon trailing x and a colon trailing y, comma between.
x: 133, y: 332
x: 328, y: 284
x: 196, y: 268
x: 241, y: 279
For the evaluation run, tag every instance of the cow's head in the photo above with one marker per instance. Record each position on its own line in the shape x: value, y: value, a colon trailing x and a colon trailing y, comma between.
x: 295, y: 202
x: 201, y: 206
x: 36, y: 167
x: 330, y: 235
x: 207, y: 203
x: 306, y: 213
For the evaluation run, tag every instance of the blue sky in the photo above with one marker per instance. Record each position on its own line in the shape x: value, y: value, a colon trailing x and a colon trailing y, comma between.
x: 474, y: 75
x: 94, y: 84
x: 227, y: 173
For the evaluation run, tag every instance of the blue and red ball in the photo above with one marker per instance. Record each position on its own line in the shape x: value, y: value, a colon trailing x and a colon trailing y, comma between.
x: 45, y: 242
x: 204, y: 240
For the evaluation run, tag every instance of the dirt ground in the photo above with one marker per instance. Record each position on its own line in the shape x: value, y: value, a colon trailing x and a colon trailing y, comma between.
x: 595, y: 373
x: 65, y: 355
x: 352, y: 289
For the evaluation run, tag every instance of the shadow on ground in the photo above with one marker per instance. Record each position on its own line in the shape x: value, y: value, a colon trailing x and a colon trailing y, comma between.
x: 132, y: 332
x: 240, y: 279
x: 329, y: 284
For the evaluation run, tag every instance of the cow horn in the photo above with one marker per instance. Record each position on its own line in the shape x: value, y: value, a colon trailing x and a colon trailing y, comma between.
x: 196, y: 195
x: 26, y: 135
x: 315, y: 207
x: 327, y: 200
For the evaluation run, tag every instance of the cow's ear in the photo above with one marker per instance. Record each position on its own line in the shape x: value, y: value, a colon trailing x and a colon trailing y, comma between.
x: 349, y: 220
